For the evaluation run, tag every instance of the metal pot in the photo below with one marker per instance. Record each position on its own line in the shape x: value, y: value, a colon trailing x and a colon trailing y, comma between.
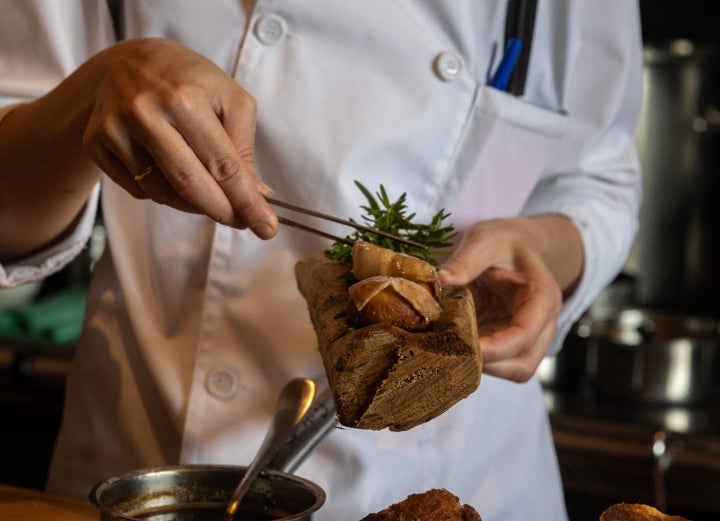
x: 654, y: 357
x: 201, y: 492
x: 676, y: 252
x: 567, y: 370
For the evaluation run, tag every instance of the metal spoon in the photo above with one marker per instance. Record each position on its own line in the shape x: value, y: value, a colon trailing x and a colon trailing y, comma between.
x: 293, y: 403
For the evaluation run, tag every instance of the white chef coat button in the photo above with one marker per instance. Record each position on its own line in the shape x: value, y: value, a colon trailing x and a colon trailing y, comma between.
x: 448, y: 65
x: 221, y: 384
x: 269, y: 29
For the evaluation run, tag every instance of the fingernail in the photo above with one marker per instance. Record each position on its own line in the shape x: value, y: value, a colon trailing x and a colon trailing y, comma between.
x: 265, y: 189
x: 266, y: 229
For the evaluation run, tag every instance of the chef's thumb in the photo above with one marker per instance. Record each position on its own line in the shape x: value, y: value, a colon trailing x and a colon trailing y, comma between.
x: 456, y: 271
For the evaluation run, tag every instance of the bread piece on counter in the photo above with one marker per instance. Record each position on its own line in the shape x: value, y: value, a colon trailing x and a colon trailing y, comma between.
x: 383, y: 376
x: 433, y: 505
x: 636, y: 512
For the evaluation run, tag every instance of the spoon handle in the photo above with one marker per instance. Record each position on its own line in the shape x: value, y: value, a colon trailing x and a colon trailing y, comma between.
x: 293, y: 403
x: 318, y: 422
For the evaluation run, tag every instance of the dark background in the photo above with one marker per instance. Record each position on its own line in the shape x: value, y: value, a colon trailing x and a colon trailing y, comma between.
x: 692, y: 19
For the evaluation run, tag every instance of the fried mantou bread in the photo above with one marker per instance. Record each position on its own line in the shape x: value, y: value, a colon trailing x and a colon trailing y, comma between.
x: 433, y: 505
x: 394, y: 300
x: 636, y: 512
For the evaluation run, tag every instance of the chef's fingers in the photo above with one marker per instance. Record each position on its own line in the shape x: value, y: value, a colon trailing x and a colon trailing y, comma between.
x: 239, y: 119
x: 179, y: 178
x: 514, y: 349
x: 186, y: 174
x: 230, y: 163
x: 108, y: 144
x: 171, y: 101
x: 116, y: 170
x: 153, y: 181
x: 481, y: 246
x: 520, y: 368
x: 129, y: 165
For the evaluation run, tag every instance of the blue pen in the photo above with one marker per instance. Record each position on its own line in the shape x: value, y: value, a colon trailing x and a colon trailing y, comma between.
x: 507, y: 64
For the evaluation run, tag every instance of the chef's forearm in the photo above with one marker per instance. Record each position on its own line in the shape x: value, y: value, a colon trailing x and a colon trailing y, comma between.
x: 46, y: 174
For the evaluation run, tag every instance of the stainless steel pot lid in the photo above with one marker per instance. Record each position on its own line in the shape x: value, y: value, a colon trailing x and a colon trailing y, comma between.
x: 634, y: 326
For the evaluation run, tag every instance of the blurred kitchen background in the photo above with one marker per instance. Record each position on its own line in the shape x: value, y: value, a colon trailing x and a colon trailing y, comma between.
x: 635, y: 395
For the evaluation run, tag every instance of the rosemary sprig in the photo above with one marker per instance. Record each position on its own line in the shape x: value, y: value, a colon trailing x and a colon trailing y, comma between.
x: 383, y: 214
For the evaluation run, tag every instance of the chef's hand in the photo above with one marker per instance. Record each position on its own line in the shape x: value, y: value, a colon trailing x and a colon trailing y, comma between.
x: 518, y: 270
x: 171, y: 126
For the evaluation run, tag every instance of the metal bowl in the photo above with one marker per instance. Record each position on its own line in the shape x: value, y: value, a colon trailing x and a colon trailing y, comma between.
x: 568, y: 370
x: 655, y: 357
x: 201, y: 492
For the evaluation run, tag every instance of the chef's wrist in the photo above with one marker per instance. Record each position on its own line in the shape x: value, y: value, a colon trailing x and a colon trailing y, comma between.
x: 557, y: 240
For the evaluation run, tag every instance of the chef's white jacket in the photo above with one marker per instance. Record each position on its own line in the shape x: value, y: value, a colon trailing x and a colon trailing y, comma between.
x: 192, y: 327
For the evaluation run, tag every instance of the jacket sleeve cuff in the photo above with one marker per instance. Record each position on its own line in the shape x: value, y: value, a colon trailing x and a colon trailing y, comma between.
x: 52, y: 260
x: 607, y: 237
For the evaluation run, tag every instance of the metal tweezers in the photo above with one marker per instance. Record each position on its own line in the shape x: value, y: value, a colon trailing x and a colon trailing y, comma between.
x: 326, y: 217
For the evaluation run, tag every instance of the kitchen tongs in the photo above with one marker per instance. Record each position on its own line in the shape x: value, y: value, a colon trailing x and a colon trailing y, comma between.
x: 332, y: 218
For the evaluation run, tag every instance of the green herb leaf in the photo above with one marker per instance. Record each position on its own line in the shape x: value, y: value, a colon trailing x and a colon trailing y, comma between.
x: 385, y: 215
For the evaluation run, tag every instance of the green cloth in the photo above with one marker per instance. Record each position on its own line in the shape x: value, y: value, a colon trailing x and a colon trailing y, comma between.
x: 56, y: 318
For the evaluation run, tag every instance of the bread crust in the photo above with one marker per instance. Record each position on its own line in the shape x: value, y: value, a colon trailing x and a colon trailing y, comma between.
x: 636, y: 512
x: 433, y: 505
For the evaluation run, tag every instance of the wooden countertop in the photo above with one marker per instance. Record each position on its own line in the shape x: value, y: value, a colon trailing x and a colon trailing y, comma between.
x: 20, y: 504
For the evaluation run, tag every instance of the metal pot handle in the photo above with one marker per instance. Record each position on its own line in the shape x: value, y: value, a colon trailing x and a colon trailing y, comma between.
x: 663, y: 458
